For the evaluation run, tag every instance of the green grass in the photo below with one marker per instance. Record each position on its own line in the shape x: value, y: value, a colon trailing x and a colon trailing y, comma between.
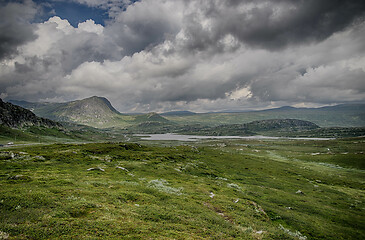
x: 69, y: 133
x: 231, y: 189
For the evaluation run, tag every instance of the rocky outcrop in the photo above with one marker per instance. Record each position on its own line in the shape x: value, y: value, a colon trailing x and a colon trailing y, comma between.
x: 18, y: 117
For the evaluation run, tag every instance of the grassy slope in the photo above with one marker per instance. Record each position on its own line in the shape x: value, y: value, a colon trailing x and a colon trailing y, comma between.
x: 167, y: 191
x: 70, y: 133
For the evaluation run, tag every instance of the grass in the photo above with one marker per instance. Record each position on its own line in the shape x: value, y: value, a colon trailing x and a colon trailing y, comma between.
x: 70, y: 133
x: 231, y: 189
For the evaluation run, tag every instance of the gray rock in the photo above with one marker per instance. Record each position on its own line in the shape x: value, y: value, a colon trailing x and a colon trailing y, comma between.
x: 96, y: 169
x: 122, y: 168
x: 19, y: 177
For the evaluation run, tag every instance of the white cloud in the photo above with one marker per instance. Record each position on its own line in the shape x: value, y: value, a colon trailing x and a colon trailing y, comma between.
x: 90, y: 26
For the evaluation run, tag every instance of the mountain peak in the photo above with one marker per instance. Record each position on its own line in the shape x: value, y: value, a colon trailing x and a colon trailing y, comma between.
x: 100, y: 102
x: 90, y: 111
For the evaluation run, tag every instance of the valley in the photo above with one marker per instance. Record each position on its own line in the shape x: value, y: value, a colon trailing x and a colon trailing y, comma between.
x: 174, y: 120
x: 189, y: 180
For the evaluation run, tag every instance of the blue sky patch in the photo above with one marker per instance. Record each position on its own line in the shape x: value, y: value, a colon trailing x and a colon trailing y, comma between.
x: 75, y: 13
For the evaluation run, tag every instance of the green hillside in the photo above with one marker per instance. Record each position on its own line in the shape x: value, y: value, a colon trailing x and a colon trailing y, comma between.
x: 19, y: 125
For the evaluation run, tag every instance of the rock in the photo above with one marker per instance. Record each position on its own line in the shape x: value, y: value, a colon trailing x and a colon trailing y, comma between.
x: 40, y: 158
x: 14, y: 116
x: 96, y: 169
x: 299, y: 192
x: 122, y: 168
x: 4, y: 235
x: 19, y: 177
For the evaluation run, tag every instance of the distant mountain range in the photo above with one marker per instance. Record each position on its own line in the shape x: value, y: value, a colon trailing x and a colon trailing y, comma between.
x: 344, y: 115
x: 99, y: 112
x: 16, y: 121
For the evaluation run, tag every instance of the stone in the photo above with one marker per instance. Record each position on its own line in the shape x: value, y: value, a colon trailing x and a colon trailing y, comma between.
x: 96, y: 169
x: 122, y: 168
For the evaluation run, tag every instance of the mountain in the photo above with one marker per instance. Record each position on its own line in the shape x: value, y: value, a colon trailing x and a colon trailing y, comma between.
x: 98, y: 112
x: 93, y: 111
x: 17, y: 117
x: 344, y: 115
x: 89, y: 111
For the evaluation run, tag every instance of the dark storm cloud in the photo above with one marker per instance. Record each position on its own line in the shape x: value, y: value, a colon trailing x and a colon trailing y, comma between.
x: 144, y: 25
x: 270, y: 24
x: 75, y: 49
x: 15, y: 29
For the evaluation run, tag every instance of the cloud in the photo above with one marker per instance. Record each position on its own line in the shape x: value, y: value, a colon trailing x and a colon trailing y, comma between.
x: 198, y: 55
x: 145, y: 24
x: 15, y: 29
x: 328, y: 72
x: 267, y: 24
x: 37, y: 71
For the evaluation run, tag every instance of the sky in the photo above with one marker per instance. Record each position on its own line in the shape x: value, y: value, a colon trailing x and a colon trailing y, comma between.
x: 196, y: 55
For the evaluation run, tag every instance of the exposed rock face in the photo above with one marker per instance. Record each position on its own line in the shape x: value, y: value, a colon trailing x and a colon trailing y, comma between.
x: 17, y: 117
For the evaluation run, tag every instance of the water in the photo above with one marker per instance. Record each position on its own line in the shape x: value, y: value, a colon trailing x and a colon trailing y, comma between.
x: 179, y: 137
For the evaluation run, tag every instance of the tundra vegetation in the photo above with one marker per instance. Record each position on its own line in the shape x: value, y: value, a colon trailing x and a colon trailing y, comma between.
x: 209, y: 189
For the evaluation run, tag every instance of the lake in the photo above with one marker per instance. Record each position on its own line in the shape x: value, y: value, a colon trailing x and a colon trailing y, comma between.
x: 180, y: 137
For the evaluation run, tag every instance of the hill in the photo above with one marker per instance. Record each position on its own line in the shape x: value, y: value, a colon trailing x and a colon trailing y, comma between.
x: 18, y: 117
x: 89, y: 111
x: 18, y: 124
x: 344, y: 115
x: 93, y: 111
x: 266, y: 127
